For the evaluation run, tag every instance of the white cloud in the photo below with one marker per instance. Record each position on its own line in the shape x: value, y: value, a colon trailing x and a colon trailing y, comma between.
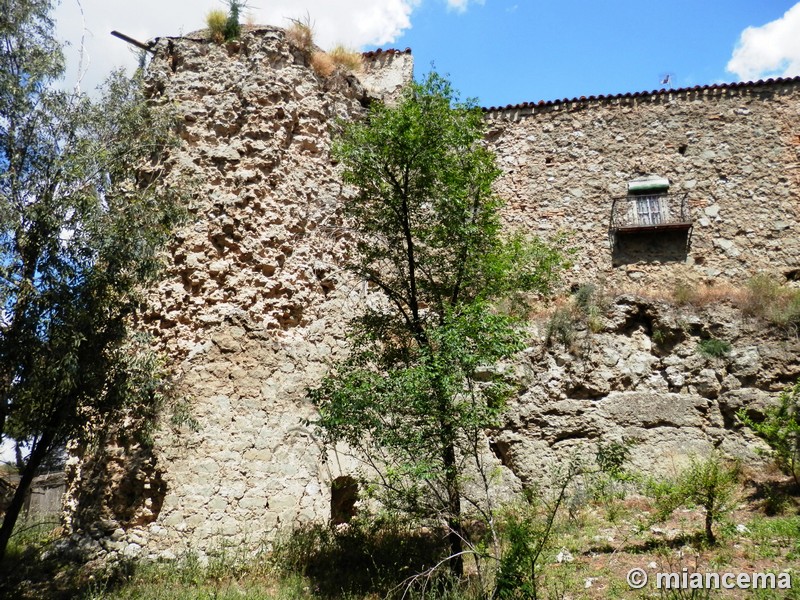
x: 461, y: 5
x: 354, y: 23
x: 770, y: 50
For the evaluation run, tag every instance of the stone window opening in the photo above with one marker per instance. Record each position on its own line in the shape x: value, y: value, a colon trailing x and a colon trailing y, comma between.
x: 344, y: 496
x: 648, y: 206
x: 650, y: 223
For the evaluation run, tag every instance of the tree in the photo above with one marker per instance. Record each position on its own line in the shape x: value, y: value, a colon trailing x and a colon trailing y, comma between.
x: 710, y: 483
x: 83, y: 214
x: 416, y: 392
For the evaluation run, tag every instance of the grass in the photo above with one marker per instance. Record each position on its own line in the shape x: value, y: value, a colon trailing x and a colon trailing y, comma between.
x: 369, y: 560
x: 215, y: 21
x: 762, y: 297
x: 322, y: 64
x: 300, y: 34
x: 347, y: 58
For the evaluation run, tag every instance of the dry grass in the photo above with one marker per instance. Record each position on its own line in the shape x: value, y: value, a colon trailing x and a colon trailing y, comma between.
x: 300, y: 34
x: 768, y: 299
x: 216, y: 20
x: 347, y: 58
x: 322, y: 64
x: 704, y: 294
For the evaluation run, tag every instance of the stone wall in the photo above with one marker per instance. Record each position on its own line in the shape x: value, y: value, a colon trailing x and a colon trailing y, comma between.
x: 734, y: 151
x: 386, y: 73
x: 253, y: 309
x: 250, y: 312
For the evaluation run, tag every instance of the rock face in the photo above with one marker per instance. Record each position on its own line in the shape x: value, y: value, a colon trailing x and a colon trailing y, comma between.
x: 254, y: 305
x: 643, y: 378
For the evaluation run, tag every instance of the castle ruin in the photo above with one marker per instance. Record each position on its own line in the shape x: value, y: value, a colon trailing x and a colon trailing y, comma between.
x: 696, y: 185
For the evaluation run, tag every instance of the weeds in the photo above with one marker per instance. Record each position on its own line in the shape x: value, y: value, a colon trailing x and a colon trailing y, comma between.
x: 584, y: 312
x: 215, y: 21
x: 347, y: 59
x: 377, y: 554
x: 766, y: 298
x: 771, y: 536
x: 713, y: 348
x: 780, y: 428
x: 222, y: 26
x: 300, y: 34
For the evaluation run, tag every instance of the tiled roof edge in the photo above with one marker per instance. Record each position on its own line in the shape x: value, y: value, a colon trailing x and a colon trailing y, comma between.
x: 662, y: 92
x: 381, y: 51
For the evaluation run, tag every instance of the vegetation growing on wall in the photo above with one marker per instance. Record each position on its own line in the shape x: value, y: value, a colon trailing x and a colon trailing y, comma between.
x: 300, y: 34
x: 226, y: 26
x: 780, y: 428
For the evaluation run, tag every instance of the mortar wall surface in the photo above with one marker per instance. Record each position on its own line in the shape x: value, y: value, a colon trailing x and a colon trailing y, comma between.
x: 734, y: 152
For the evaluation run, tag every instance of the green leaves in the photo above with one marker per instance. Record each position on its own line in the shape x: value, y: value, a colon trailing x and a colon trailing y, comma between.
x: 780, y: 428
x: 421, y: 384
x: 84, y: 212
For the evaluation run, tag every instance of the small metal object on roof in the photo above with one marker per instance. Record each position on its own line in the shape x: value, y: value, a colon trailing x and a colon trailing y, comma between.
x: 130, y: 40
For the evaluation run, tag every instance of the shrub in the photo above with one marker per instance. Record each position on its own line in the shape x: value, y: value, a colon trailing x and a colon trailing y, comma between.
x: 713, y: 348
x: 611, y: 459
x: 367, y: 556
x: 223, y: 26
x: 232, y: 27
x: 561, y: 327
x: 684, y: 293
x: 322, y: 64
x: 347, y: 58
x: 300, y: 34
x: 215, y: 20
x: 709, y: 483
x: 781, y: 430
x: 527, y: 532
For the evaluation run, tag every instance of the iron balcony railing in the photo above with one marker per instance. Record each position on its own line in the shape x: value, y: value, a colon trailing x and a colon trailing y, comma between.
x: 650, y: 211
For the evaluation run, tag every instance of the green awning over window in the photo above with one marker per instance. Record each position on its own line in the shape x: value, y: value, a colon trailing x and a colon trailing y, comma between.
x: 648, y: 184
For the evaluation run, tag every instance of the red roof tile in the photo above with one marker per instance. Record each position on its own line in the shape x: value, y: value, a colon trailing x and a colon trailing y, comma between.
x: 697, y: 88
x: 380, y: 51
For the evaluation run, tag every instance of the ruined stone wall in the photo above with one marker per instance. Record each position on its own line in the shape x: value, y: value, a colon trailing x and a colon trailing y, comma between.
x: 734, y: 150
x: 254, y: 304
x: 251, y: 309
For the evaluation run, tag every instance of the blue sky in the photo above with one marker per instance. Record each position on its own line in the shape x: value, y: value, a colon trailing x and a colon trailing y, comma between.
x: 501, y: 51
x: 508, y: 51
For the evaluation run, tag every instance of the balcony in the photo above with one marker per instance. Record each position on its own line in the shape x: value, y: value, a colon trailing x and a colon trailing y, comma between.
x: 638, y: 213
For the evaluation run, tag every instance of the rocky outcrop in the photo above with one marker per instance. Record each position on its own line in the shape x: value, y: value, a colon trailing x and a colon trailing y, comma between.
x: 642, y: 377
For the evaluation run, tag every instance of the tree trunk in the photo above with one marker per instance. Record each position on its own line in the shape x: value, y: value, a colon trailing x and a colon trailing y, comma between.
x: 17, y: 502
x: 456, y: 532
x: 709, y: 532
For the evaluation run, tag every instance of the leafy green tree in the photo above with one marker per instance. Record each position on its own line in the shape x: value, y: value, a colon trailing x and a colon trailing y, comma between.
x: 416, y: 392
x: 83, y: 214
x: 780, y: 428
x: 710, y: 483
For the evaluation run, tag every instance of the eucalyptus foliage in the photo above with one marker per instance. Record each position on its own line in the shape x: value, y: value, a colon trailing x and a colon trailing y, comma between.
x: 83, y: 215
x: 419, y: 387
